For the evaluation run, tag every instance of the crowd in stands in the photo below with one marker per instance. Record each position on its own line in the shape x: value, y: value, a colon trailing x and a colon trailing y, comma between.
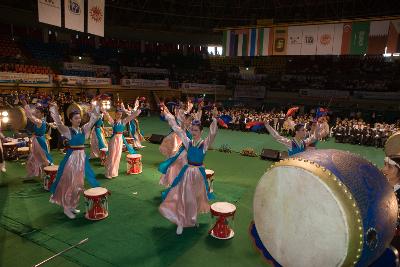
x: 346, y: 130
x: 193, y: 64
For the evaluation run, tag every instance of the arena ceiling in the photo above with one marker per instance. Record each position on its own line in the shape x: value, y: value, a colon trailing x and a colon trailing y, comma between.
x: 206, y: 15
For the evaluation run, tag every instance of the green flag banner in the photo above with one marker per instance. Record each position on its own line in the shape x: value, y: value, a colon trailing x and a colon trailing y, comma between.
x: 359, y: 38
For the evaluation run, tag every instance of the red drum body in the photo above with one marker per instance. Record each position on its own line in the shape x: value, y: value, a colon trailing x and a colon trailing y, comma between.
x: 96, y: 200
x: 134, y: 164
x: 49, y: 175
x: 103, y: 155
x: 10, y: 150
x: 210, y: 179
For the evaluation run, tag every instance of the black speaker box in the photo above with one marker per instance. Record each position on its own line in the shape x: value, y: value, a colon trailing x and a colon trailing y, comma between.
x: 270, y: 154
x: 156, y: 138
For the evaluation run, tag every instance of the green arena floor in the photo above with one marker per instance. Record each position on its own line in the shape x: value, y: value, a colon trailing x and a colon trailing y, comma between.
x: 135, y: 234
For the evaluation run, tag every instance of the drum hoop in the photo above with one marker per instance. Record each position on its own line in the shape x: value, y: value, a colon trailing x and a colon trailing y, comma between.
x: 356, y: 233
x: 51, y: 168
x: 134, y: 156
x: 85, y: 193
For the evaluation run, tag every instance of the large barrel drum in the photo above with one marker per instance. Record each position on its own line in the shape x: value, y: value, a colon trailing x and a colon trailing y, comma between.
x: 82, y: 108
x: 17, y: 118
x: 325, y: 208
x: 392, y: 145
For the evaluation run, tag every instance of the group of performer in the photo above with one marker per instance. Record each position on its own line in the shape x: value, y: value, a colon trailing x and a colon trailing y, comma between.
x: 187, y: 192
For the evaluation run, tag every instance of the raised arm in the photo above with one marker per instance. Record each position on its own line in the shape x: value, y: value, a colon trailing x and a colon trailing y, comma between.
x: 283, y: 140
x: 64, y: 130
x: 30, y: 116
x: 211, y: 136
x: 176, y: 128
x: 94, y: 116
x: 131, y: 116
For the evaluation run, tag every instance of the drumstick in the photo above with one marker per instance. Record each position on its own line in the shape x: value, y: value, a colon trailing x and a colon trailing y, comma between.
x: 61, y: 252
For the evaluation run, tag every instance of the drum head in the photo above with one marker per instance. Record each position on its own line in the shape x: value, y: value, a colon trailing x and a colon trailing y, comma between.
x: 133, y: 156
x: 97, y: 191
x: 52, y: 168
x: 223, y: 207
x: 18, y: 118
x: 392, y: 145
x: 299, y: 219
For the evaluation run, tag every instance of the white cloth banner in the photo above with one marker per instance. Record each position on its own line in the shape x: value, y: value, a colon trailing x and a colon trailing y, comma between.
x: 144, y: 83
x: 249, y: 91
x: 87, y: 67
x: 96, y: 17
x: 76, y: 80
x: 324, y: 93
x: 326, y: 35
x: 24, y: 78
x: 337, y: 39
x: 74, y: 14
x: 309, y: 41
x: 295, y: 38
x: 50, y: 12
x: 143, y: 70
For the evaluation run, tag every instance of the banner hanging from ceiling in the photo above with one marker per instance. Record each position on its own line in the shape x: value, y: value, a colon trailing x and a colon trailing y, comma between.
x: 96, y: 17
x: 50, y: 12
x: 74, y: 15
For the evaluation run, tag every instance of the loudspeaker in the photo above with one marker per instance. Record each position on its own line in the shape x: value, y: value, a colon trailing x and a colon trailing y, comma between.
x: 270, y: 154
x: 156, y: 138
x: 283, y: 155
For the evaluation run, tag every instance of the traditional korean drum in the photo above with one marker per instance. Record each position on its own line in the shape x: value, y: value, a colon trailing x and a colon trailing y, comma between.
x: 82, y: 108
x: 23, y: 152
x: 49, y: 175
x: 96, y: 203
x: 392, y: 145
x: 134, y: 164
x: 223, y: 211
x: 10, y: 150
x: 103, y: 155
x: 210, y: 179
x: 324, y: 208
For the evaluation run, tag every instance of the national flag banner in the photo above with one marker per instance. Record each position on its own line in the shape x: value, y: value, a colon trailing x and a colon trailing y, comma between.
x: 393, y: 42
x: 240, y: 45
x: 295, y: 37
x: 74, y: 15
x: 280, y: 40
x: 346, y: 38
x: 325, y: 39
x: 96, y: 17
x: 242, y: 42
x: 337, y: 39
x: 377, y: 39
x: 226, y: 40
x: 232, y: 44
x: 309, y: 41
x: 50, y: 12
x: 264, y: 41
x: 252, y: 42
x: 359, y: 38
